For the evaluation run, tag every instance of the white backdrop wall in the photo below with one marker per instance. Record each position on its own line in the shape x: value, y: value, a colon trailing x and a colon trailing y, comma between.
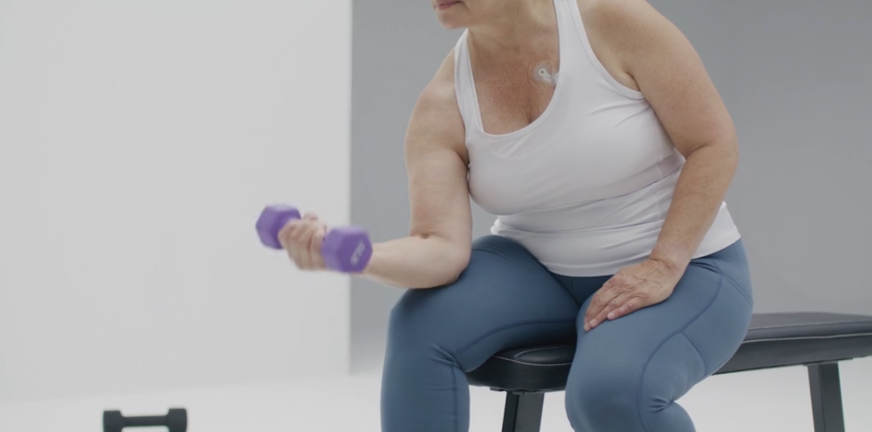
x: 139, y: 140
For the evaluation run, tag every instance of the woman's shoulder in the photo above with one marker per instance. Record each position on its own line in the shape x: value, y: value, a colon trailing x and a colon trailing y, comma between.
x: 439, y: 97
x: 621, y: 22
x: 615, y: 28
x: 440, y: 89
x: 436, y: 117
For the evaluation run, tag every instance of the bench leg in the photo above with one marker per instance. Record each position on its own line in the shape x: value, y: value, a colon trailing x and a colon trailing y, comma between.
x: 826, y: 397
x: 523, y: 412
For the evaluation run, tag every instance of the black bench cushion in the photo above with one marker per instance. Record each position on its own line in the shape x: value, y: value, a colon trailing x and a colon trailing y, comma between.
x: 773, y: 340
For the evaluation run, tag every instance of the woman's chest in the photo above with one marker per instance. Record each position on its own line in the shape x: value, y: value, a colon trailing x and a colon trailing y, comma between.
x: 570, y: 158
x: 512, y: 99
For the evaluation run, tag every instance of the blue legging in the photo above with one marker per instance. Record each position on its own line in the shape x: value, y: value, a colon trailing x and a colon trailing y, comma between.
x: 627, y: 373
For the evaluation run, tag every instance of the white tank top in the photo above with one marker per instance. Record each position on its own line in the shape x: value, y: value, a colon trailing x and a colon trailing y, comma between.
x: 586, y: 186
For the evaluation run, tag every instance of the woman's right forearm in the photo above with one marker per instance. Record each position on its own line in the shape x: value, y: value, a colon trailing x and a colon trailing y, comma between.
x: 416, y: 262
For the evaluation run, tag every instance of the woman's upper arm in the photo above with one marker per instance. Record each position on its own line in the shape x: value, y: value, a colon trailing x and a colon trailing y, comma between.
x: 436, y: 164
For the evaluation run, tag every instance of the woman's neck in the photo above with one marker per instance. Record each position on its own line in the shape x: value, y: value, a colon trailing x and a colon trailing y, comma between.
x: 515, y: 29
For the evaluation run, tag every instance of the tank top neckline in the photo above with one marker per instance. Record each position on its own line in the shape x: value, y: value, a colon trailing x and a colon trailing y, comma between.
x: 473, y: 93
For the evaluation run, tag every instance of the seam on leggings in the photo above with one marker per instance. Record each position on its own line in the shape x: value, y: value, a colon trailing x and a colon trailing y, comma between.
x: 698, y: 352
x: 508, y: 326
x: 733, y: 282
x: 663, y: 342
x: 570, y: 291
x: 454, y: 386
x: 454, y: 396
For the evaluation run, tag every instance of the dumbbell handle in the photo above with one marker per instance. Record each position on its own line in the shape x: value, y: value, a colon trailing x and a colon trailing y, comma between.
x: 284, y: 221
x: 176, y: 420
x: 145, y: 421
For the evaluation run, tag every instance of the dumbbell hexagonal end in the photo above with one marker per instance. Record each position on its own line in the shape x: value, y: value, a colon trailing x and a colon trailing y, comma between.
x: 347, y: 249
x: 272, y: 219
x: 177, y: 420
x: 113, y: 421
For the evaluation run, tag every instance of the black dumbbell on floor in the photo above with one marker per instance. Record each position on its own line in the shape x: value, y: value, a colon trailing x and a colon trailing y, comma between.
x: 176, y: 420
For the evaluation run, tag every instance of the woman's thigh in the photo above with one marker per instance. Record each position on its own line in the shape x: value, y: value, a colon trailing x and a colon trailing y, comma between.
x: 505, y: 298
x: 711, y: 306
x: 649, y: 358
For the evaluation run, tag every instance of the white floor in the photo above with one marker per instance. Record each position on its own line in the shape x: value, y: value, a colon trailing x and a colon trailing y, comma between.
x: 763, y: 401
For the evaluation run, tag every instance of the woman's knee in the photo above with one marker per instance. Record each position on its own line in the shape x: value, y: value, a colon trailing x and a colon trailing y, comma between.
x: 603, y: 398
x: 630, y: 392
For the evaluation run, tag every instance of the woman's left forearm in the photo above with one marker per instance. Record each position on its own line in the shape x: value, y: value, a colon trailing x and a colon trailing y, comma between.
x: 699, y: 193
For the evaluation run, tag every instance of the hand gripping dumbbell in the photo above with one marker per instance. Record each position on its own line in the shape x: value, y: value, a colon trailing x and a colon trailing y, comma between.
x: 176, y: 420
x: 345, y: 249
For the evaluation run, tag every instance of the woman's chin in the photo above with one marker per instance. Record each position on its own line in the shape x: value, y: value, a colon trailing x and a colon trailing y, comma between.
x: 450, y: 20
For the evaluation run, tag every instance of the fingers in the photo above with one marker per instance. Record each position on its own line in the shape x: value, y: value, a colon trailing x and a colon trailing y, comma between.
x: 617, y: 307
x: 601, y: 300
x: 302, y: 240
x: 288, y: 238
x: 628, y: 305
x: 618, y: 297
x: 632, y: 288
x: 597, y: 318
x: 315, y: 248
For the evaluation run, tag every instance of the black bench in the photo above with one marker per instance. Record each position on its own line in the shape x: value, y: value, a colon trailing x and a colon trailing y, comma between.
x: 815, y: 340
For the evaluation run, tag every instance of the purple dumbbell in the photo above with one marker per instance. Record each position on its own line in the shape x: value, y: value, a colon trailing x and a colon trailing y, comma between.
x: 345, y: 249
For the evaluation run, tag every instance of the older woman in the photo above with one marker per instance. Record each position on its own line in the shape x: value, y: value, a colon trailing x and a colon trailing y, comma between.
x: 591, y: 128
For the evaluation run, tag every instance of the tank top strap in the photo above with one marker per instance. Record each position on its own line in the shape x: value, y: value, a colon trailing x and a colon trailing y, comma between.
x: 464, y: 85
